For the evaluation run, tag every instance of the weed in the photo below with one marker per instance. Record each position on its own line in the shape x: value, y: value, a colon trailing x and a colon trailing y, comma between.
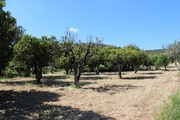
x: 171, y: 111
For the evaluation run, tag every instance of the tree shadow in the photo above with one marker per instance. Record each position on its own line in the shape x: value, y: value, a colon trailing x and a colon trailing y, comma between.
x: 140, y: 77
x: 54, y: 77
x: 89, y: 73
x: 93, y: 78
x: 152, y: 73
x: 113, y: 89
x: 28, y: 105
x: 114, y: 73
x: 22, y: 103
x: 44, y: 83
x: 82, y: 83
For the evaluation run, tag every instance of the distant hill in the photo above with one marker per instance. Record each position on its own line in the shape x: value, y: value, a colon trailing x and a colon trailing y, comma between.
x: 156, y: 51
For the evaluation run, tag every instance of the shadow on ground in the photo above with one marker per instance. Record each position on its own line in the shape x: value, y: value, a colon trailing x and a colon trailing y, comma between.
x: 33, y: 82
x: 140, y: 77
x: 29, y: 105
x: 44, y: 83
x: 113, y: 89
x: 152, y: 73
x: 93, y: 78
x: 82, y: 83
x: 53, y: 77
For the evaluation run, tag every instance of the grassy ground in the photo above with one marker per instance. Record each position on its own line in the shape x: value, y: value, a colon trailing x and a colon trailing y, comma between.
x: 101, y: 97
x: 171, y: 111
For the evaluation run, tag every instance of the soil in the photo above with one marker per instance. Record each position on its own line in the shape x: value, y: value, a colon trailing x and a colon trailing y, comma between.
x: 139, y: 96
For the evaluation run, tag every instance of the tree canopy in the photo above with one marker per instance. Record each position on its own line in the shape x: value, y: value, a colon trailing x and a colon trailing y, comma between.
x: 10, y: 33
x: 76, y: 53
x: 35, y: 53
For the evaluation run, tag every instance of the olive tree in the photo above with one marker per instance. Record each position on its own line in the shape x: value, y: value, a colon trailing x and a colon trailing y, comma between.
x: 162, y: 61
x: 174, y: 51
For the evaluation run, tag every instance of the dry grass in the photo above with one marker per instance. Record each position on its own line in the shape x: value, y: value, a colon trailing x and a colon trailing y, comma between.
x: 136, y: 97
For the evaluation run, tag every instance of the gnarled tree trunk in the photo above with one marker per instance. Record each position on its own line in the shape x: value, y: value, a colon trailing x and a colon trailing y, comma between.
x: 38, y: 74
x: 175, y: 61
x: 77, y: 73
x: 67, y: 70
x: 135, y: 68
x: 97, y: 69
x: 120, y: 70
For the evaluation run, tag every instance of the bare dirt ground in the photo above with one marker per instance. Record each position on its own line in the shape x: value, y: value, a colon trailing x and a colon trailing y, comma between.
x: 138, y: 96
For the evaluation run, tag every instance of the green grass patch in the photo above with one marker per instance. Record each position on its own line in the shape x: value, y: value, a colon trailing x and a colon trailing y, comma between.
x: 171, y: 111
x: 75, y: 86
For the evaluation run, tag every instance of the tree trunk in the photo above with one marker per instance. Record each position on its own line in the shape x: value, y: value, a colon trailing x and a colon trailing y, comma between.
x: 52, y: 70
x: 91, y: 68
x: 97, y: 69
x: 27, y: 72
x: 177, y: 65
x: 165, y: 68
x: 119, y: 71
x: 135, y: 68
x: 77, y: 74
x: 38, y: 74
x: 1, y: 73
x: 71, y: 68
x: 67, y: 71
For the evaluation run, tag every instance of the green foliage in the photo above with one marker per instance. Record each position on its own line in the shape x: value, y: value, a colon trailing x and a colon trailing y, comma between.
x: 133, y: 56
x: 9, y: 35
x: 64, y: 62
x: 154, y: 61
x: 174, y: 51
x: 48, y: 114
x: 97, y: 54
x: 161, y: 60
x: 156, y: 52
x: 2, y: 3
x: 35, y: 53
x: 78, y: 53
x: 75, y: 86
x: 171, y: 111
x: 130, y: 56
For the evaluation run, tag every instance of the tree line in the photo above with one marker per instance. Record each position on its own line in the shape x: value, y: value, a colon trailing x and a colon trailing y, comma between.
x: 23, y: 55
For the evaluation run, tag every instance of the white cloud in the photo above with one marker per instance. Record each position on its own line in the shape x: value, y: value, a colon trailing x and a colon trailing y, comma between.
x: 73, y: 29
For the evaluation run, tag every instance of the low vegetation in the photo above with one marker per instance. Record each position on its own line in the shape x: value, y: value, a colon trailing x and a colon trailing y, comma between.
x: 171, y: 110
x: 101, y: 96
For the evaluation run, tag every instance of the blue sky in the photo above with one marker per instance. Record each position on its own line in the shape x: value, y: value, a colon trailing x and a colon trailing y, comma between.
x: 149, y: 24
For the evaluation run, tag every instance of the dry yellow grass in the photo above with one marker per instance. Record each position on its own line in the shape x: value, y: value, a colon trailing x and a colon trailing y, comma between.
x: 136, y: 97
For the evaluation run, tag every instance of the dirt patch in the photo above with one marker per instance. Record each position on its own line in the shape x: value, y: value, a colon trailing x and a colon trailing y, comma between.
x: 136, y: 97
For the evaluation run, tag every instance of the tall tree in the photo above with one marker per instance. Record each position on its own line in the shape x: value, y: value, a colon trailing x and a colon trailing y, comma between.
x: 163, y: 60
x: 117, y: 57
x: 128, y: 55
x: 64, y: 62
x: 97, y: 55
x: 77, y: 52
x: 174, y: 51
x: 135, y: 56
x: 10, y: 33
x: 35, y: 53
